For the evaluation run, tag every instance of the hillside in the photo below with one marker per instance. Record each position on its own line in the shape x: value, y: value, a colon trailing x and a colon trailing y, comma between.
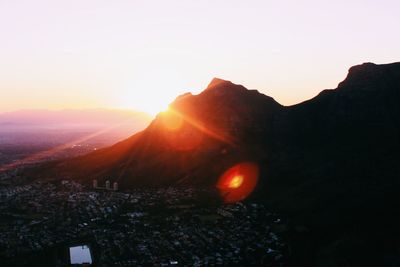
x: 330, y: 164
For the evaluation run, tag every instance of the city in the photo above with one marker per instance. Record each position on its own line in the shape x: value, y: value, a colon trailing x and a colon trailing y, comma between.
x: 141, y: 227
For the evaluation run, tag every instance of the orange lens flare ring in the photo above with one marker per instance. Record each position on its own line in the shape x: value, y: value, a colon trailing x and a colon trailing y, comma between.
x: 238, y: 182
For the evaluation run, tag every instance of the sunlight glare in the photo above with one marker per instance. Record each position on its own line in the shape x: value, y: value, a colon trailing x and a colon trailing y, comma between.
x: 236, y: 181
x: 152, y: 87
x: 172, y: 120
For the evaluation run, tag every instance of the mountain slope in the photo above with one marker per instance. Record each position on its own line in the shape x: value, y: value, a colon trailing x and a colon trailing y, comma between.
x: 329, y: 164
x: 336, y: 170
x: 244, y: 124
x: 219, y: 120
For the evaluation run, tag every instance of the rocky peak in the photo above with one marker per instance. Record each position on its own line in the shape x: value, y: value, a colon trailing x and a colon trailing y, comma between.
x: 217, y: 82
x: 368, y: 74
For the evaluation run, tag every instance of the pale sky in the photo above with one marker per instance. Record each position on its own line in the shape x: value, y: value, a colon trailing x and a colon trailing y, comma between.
x: 142, y: 54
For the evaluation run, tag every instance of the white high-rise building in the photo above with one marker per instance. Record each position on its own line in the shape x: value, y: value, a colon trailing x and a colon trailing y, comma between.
x: 95, y: 183
x: 108, y: 184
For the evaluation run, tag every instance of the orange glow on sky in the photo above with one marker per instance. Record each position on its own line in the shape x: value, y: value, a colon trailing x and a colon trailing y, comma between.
x: 238, y: 182
x: 142, y: 54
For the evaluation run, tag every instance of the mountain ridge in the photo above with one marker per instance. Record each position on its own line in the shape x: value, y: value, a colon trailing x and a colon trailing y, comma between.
x: 232, y: 109
x: 329, y: 164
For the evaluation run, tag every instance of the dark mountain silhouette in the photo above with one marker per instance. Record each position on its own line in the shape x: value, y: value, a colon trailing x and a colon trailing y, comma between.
x: 330, y: 164
x: 226, y: 119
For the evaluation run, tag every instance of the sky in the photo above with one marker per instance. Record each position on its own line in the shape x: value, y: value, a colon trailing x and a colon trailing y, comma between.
x: 142, y: 54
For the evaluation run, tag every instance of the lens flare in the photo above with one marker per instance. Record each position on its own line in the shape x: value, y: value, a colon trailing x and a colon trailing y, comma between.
x: 183, y: 132
x: 238, y: 182
x: 172, y: 121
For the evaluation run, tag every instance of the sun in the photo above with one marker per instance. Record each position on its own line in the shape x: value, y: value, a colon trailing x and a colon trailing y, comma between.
x: 151, y: 88
x: 149, y: 105
x: 153, y: 111
x: 152, y: 105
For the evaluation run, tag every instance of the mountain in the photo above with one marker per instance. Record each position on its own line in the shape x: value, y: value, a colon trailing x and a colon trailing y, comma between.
x: 330, y: 164
x: 226, y: 119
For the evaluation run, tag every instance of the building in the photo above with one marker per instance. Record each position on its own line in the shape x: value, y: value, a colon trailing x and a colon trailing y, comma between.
x: 95, y: 183
x: 108, y: 185
x: 115, y: 186
x: 80, y: 255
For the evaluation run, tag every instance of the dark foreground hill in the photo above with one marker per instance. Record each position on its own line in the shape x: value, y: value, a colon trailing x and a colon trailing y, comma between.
x: 330, y: 164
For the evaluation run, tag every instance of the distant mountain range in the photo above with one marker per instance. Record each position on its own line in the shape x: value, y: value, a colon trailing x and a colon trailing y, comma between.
x: 68, y: 118
x: 331, y: 164
x: 31, y: 136
x: 47, y: 128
